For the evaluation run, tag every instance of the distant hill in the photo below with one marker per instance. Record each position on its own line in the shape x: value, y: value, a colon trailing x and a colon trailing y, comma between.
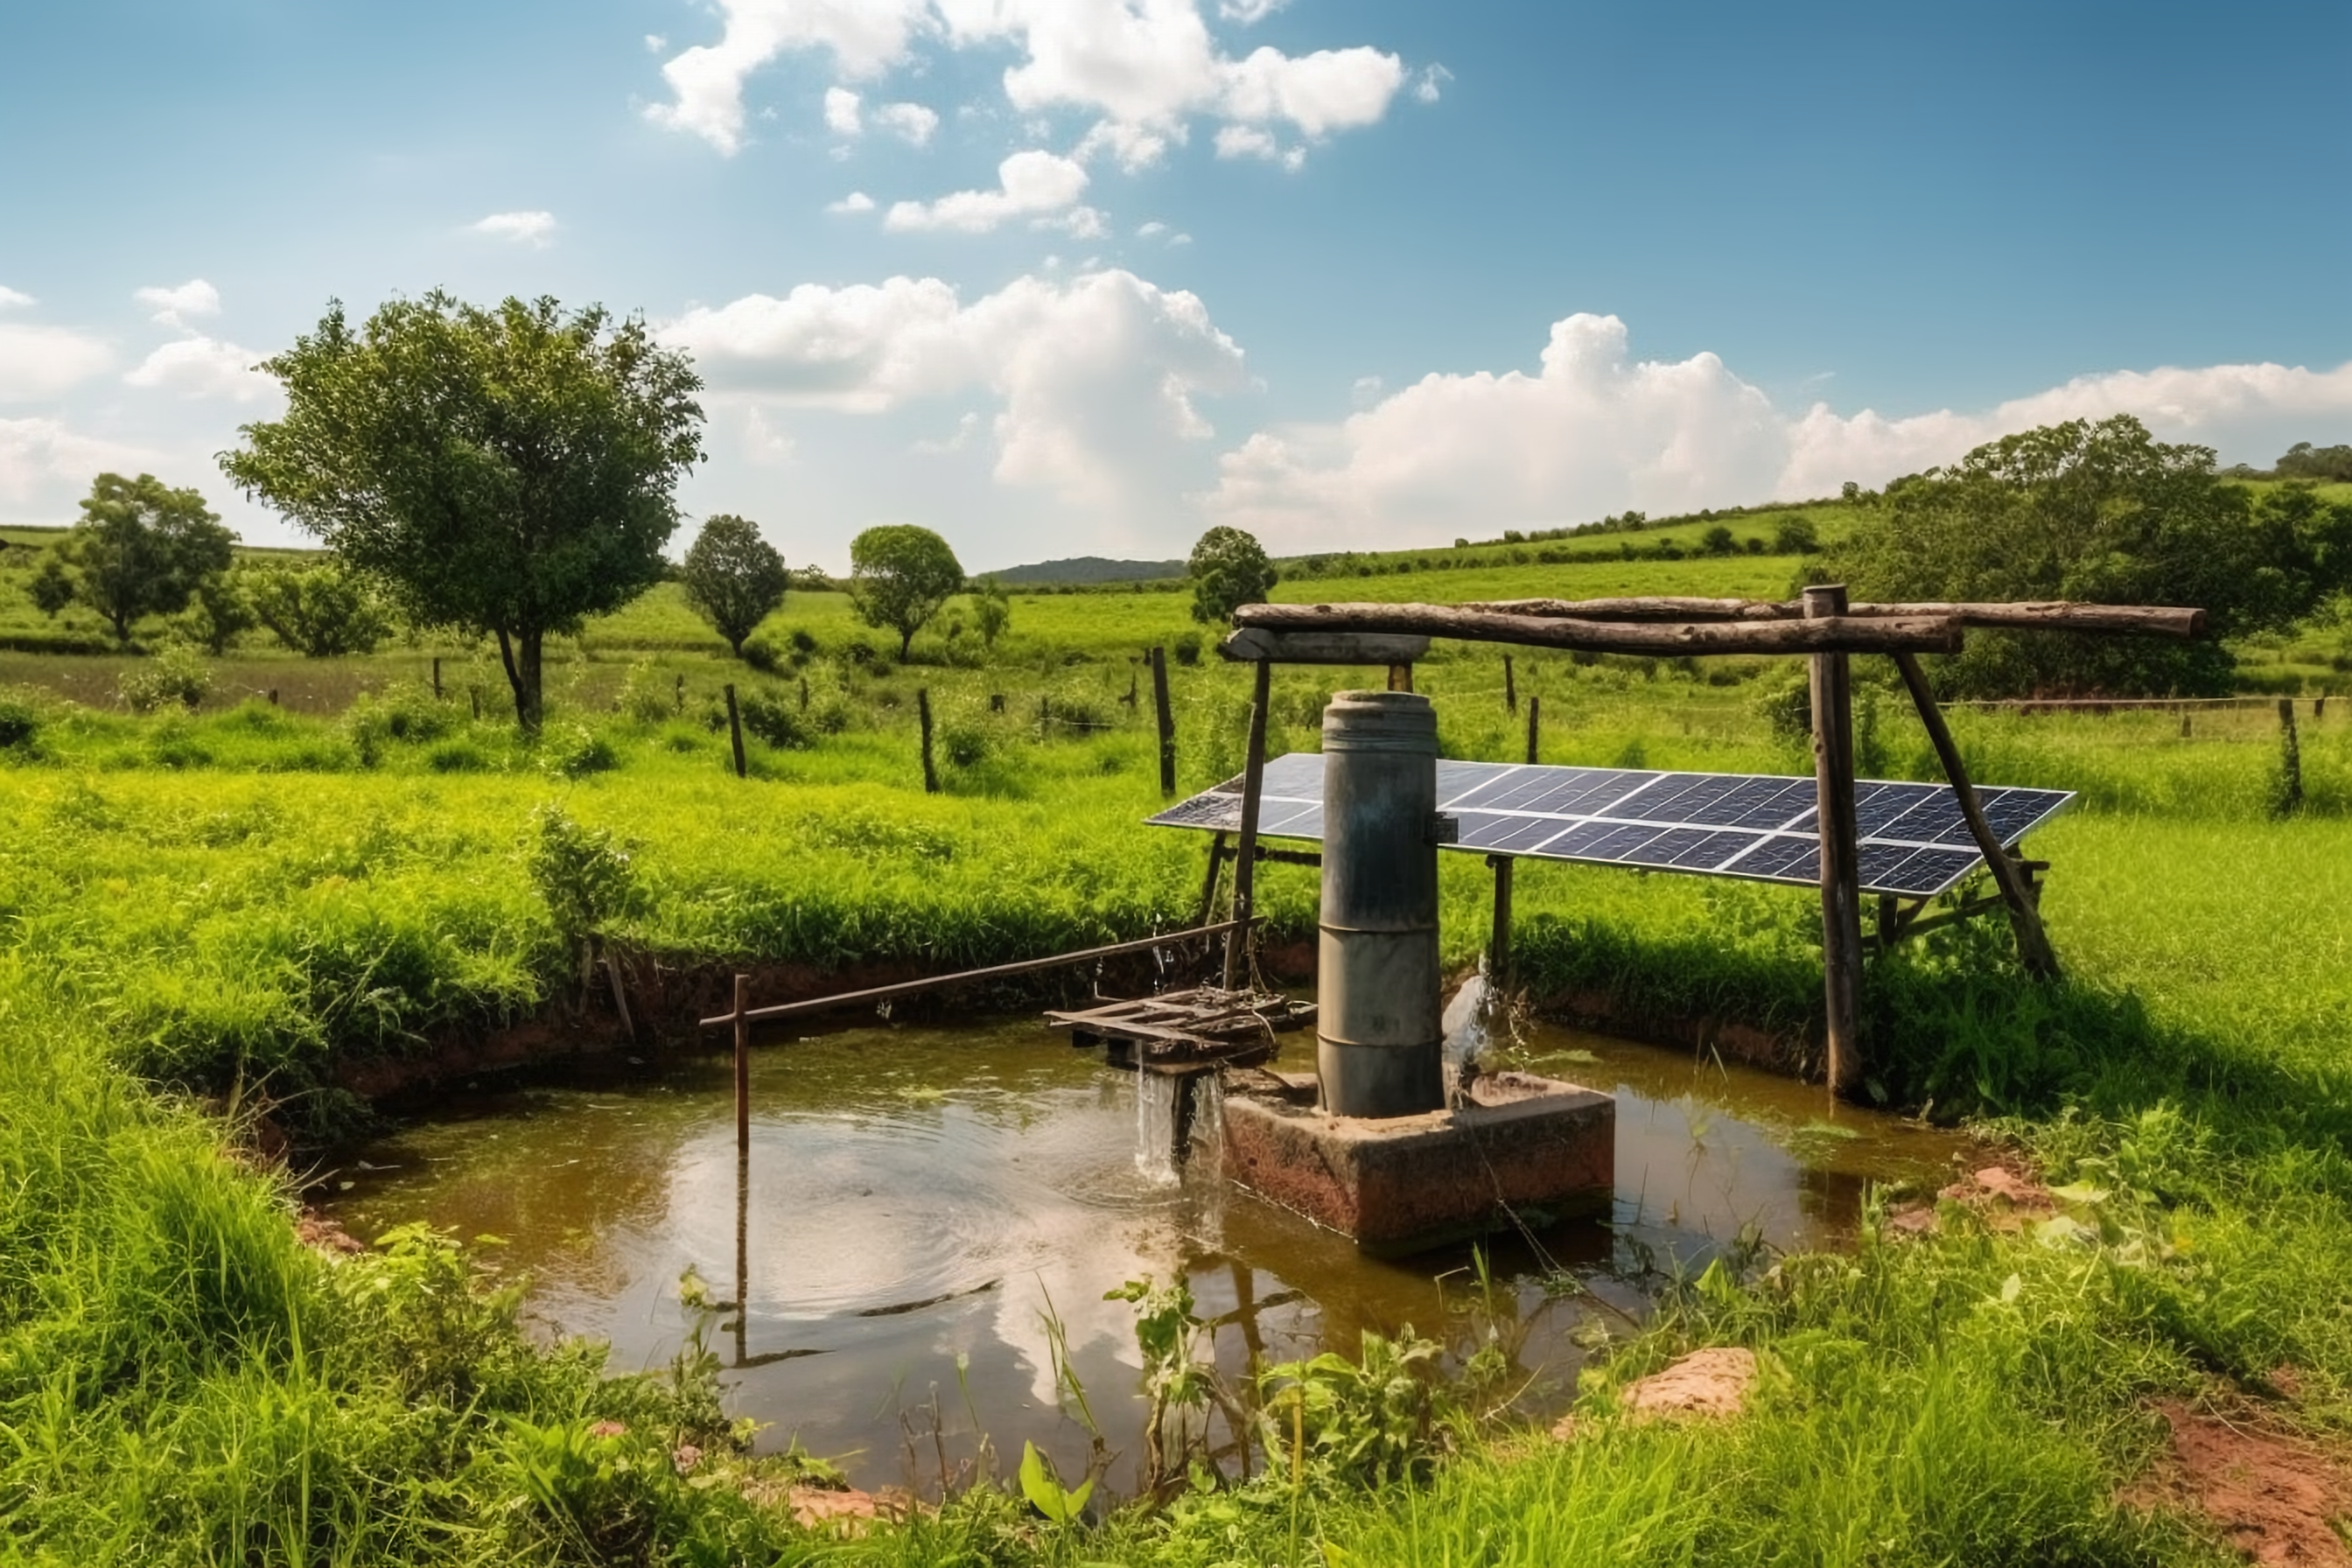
x: 1089, y: 569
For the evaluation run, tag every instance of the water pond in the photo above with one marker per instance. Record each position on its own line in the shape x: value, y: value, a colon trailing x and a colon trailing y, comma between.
x: 919, y: 1200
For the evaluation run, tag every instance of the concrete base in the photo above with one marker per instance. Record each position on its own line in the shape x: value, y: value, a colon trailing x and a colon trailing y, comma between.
x: 1403, y: 1184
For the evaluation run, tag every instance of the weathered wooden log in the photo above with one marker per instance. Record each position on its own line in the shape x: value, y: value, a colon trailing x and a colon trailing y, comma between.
x: 1251, y: 646
x: 2044, y: 615
x: 1832, y: 689
x: 1843, y: 634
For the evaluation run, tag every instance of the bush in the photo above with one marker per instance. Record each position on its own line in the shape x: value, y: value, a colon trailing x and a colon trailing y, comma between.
x: 645, y: 697
x: 761, y: 654
x: 20, y: 721
x: 177, y: 673
x: 1796, y: 535
x: 573, y: 752
x: 777, y: 722
x: 966, y: 743
x: 1188, y: 648
x: 458, y: 756
x: 404, y: 711
x: 320, y: 611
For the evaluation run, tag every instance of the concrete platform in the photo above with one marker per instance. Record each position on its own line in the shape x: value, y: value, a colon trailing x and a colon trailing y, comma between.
x: 1400, y: 1185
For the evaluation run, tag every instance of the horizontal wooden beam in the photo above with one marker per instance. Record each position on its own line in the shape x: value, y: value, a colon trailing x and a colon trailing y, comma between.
x: 2030, y: 615
x: 1830, y: 635
x: 994, y: 971
x: 1252, y: 645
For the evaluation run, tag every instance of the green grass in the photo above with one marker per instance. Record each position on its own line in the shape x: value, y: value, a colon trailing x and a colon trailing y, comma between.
x: 230, y: 905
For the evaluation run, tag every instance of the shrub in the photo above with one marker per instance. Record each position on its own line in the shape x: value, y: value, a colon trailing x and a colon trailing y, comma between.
x: 777, y: 722
x: 1796, y: 535
x: 320, y: 611
x: 177, y: 673
x: 761, y: 654
x: 20, y: 721
x: 573, y: 752
x: 1188, y: 648
x: 645, y: 697
x: 458, y: 756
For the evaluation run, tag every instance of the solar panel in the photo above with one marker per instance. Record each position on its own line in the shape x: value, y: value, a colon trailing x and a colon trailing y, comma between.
x: 1912, y: 839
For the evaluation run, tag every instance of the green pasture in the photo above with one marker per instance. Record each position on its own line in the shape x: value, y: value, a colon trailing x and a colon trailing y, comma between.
x: 204, y: 913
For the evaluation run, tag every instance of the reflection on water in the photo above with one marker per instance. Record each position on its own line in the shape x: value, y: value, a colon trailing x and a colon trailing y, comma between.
x: 917, y: 1200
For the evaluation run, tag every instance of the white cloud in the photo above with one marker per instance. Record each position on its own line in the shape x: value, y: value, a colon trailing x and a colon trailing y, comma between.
x: 910, y: 122
x: 655, y: 43
x: 1595, y: 431
x: 1250, y: 141
x: 14, y: 300
x: 763, y: 444
x: 1097, y: 378
x: 44, y: 455
x: 533, y: 228
x: 854, y: 202
x: 173, y: 305
x: 1248, y: 12
x: 203, y: 367
x: 1142, y: 67
x: 1429, y: 85
x: 1029, y: 183
x: 841, y: 112
x: 38, y: 361
x: 865, y: 36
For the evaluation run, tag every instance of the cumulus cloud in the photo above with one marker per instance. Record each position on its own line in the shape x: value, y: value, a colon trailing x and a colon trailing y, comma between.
x: 1097, y: 378
x: 1143, y: 67
x: 533, y: 228
x: 864, y: 37
x: 841, y: 116
x: 1028, y: 185
x: 39, y: 360
x: 45, y: 454
x: 203, y: 367
x: 854, y: 202
x: 173, y: 306
x: 910, y: 122
x: 14, y: 300
x: 1595, y: 431
x: 1252, y: 142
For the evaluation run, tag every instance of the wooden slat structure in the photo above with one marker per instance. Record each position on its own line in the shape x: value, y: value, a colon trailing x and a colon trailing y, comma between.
x: 1187, y: 1032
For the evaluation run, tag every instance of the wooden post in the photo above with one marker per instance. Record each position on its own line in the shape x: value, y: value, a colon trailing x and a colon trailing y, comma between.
x: 473, y: 691
x: 735, y: 733
x: 2290, y: 760
x: 436, y: 677
x: 2318, y: 707
x: 1246, y: 860
x: 2184, y: 726
x: 2033, y: 949
x: 1208, y: 882
x: 1498, y: 946
x: 677, y: 696
x: 1833, y: 698
x: 804, y: 692
x: 1399, y: 678
x: 273, y: 702
x: 742, y: 1065
x: 923, y: 713
x: 1510, y: 686
x: 1535, y: 726
x: 1167, y: 716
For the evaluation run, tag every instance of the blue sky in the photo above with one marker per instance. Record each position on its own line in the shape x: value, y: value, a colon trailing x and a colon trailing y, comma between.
x: 1062, y: 276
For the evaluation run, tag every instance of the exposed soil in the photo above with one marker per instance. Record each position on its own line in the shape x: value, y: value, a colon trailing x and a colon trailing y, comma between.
x: 2276, y: 1497
x: 2007, y: 1196
x: 1704, y: 1385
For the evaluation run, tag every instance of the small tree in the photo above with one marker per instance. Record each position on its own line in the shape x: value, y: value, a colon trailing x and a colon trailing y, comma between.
x: 991, y: 611
x: 734, y: 579
x: 1796, y: 535
x: 321, y: 611
x: 1228, y: 570
x: 507, y: 471
x: 899, y: 576
x: 218, y: 614
x: 138, y: 549
x: 1718, y: 541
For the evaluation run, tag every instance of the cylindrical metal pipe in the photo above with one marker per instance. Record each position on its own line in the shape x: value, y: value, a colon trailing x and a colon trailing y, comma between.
x: 1379, y: 1045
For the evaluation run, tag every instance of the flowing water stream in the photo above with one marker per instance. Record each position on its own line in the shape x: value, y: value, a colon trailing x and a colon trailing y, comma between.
x: 919, y: 1199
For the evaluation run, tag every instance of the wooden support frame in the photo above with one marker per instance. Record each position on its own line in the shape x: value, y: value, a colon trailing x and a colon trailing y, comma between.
x: 1498, y: 941
x: 2033, y: 949
x: 1253, y: 797
x: 1832, y: 701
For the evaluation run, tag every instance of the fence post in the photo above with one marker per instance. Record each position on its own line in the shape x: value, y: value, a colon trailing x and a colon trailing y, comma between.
x: 735, y: 733
x: 1833, y: 698
x: 1535, y: 726
x: 1167, y: 715
x: 436, y: 677
x: 923, y: 712
x: 1510, y: 686
x: 1498, y: 948
x: 1245, y: 859
x: 2290, y: 760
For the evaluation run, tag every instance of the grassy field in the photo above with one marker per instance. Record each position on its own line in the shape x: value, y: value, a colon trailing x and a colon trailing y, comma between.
x: 201, y: 912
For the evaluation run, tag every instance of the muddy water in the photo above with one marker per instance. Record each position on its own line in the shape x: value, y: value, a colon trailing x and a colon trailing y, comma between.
x: 918, y: 1200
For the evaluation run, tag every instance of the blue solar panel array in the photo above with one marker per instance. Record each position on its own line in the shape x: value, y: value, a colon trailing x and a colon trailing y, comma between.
x: 1911, y: 837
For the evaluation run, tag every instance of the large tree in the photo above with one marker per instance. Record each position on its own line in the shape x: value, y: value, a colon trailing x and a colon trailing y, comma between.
x: 899, y: 576
x: 506, y: 471
x: 733, y: 578
x: 140, y: 548
x: 1229, y: 569
x: 2100, y: 511
x: 321, y: 611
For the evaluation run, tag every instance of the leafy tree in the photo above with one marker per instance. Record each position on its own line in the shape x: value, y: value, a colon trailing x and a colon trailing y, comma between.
x: 1796, y: 535
x: 899, y: 576
x: 2305, y: 461
x: 2101, y: 512
x: 323, y: 611
x: 734, y: 579
x: 1718, y: 541
x: 991, y: 611
x: 217, y: 614
x: 138, y: 549
x: 1228, y: 570
x: 505, y: 472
